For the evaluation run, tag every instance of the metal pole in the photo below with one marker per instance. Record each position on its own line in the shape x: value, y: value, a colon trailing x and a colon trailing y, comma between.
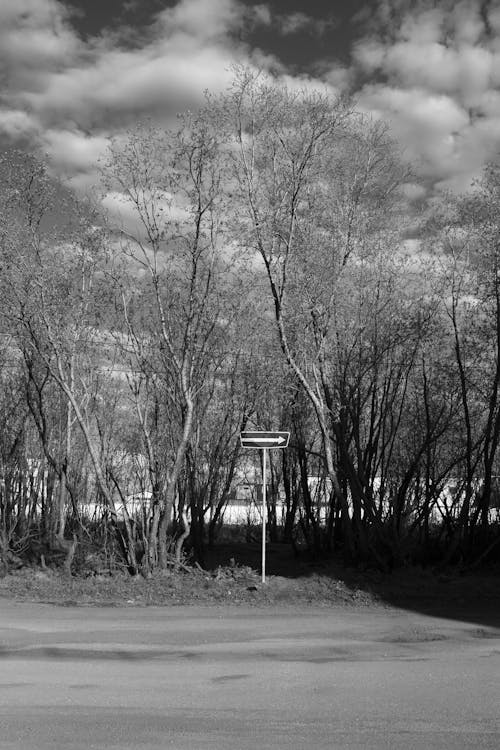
x: 264, y: 514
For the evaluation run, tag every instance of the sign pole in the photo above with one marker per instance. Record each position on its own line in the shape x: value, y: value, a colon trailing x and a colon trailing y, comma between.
x: 264, y: 440
x: 264, y: 513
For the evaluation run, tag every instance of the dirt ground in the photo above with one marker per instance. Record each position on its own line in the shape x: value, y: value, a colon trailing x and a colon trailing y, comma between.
x: 233, y: 577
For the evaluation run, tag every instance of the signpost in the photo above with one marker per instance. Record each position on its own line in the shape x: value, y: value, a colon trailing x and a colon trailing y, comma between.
x: 264, y: 441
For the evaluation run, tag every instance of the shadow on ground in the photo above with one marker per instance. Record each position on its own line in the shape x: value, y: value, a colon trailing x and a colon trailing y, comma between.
x: 454, y: 594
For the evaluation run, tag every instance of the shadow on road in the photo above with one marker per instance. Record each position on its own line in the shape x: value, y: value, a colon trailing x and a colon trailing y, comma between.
x: 458, y: 595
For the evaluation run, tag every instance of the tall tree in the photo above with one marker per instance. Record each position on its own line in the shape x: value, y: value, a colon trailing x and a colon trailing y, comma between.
x: 317, y: 184
x: 52, y: 254
x: 175, y: 318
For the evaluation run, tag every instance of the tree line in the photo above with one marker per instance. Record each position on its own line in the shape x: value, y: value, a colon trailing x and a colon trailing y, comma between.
x: 254, y: 273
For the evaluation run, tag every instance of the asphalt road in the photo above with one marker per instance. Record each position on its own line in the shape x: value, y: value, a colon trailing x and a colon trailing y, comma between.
x: 194, y: 678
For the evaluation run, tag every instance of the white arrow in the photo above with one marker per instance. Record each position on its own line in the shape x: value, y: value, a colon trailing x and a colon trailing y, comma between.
x: 264, y: 440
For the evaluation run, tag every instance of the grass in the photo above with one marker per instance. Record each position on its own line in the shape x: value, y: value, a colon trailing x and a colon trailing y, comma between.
x: 225, y: 585
x: 233, y: 577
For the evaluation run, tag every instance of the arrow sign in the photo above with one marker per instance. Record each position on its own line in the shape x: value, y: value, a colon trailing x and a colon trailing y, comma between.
x: 264, y: 439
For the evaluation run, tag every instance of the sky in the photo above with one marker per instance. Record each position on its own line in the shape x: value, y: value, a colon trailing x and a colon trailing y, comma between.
x: 75, y: 72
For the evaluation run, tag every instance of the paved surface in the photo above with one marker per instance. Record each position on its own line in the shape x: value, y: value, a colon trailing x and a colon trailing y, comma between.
x: 241, y: 679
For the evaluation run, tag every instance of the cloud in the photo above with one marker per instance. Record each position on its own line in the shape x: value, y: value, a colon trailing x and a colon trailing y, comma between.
x: 68, y: 95
x: 262, y: 15
x: 494, y: 22
x: 425, y: 122
x: 124, y: 216
x: 121, y: 86
x: 72, y: 150
x: 201, y: 19
x: 413, y: 191
x: 285, y: 24
x: 433, y: 71
x: 431, y: 68
x: 444, y: 52
x: 466, y: 71
x: 186, y: 49
x: 292, y: 23
x: 35, y: 39
x: 17, y: 124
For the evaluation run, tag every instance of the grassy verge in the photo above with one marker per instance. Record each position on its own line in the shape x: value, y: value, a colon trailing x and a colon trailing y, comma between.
x: 318, y: 585
x: 225, y: 585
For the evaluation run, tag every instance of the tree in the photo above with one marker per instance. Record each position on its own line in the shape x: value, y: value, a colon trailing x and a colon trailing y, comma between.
x: 52, y: 254
x: 176, y: 317
x: 470, y: 241
x: 317, y: 185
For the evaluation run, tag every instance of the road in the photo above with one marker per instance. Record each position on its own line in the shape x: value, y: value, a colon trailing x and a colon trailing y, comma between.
x: 193, y: 678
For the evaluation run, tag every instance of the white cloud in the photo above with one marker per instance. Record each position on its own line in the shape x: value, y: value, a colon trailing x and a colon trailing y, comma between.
x: 17, y: 124
x: 202, y: 19
x: 466, y: 71
x: 493, y: 15
x: 121, y: 85
x: 433, y: 72
x: 262, y: 15
x: 188, y: 50
x: 465, y: 22
x: 413, y: 191
x: 437, y: 75
x: 368, y: 54
x: 428, y: 125
x: 292, y: 23
x: 122, y: 213
x: 35, y: 38
x: 124, y: 216
x: 422, y: 28
x: 73, y: 151
x: 338, y: 79
x: 69, y: 95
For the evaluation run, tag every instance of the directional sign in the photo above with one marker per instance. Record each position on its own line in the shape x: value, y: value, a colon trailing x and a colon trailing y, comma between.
x: 264, y: 439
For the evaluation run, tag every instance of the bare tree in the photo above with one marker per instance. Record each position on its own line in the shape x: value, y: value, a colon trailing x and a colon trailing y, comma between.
x: 52, y: 255
x: 176, y: 314
x: 316, y: 183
